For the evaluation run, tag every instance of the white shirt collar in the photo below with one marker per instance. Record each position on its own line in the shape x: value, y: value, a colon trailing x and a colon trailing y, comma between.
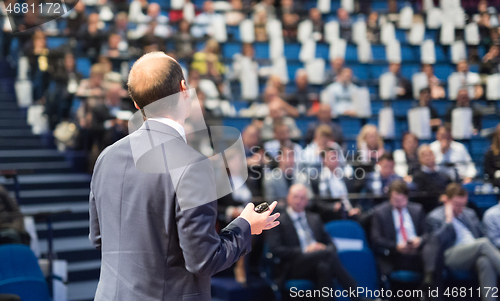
x: 173, y: 124
x: 294, y: 215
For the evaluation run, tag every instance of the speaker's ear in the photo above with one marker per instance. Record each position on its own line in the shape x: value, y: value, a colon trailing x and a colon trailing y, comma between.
x: 26, y: 16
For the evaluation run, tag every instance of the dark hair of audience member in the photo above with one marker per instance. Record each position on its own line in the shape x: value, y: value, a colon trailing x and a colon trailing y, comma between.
x: 455, y: 189
x: 399, y: 186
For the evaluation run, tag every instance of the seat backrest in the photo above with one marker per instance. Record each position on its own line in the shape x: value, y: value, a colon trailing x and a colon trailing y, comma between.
x: 20, y: 274
x: 361, y: 265
x: 346, y: 229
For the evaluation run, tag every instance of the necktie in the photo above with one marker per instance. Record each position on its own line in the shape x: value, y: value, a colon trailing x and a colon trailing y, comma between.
x: 401, y: 226
x: 308, y: 237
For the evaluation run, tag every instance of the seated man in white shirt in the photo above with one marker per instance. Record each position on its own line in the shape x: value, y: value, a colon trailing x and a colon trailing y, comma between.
x: 453, y: 157
x: 201, y: 24
x: 331, y: 185
x: 462, y: 78
x: 310, y: 158
x: 339, y: 94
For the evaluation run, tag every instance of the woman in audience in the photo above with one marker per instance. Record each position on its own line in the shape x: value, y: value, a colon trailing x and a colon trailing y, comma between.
x: 406, y: 159
x: 370, y: 144
x: 492, y: 159
x: 211, y: 53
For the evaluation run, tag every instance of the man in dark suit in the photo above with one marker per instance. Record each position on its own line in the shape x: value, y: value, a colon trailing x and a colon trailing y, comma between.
x: 152, y: 201
x: 304, y: 248
x: 458, y: 233
x: 398, y: 231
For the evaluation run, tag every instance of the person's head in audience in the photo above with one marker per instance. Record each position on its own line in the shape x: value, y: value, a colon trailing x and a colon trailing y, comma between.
x: 424, y: 97
x: 330, y: 159
x: 370, y: 137
x: 386, y: 164
x: 426, y: 157
x: 97, y: 75
x: 463, y: 99
x: 247, y: 50
x: 193, y: 78
x: 373, y: 18
x: 342, y: 15
x: 324, y: 113
x: 301, y: 80
x: 456, y: 197
x: 274, y: 80
x: 113, y: 41
x: 409, y: 142
x: 121, y: 20
x: 484, y: 20
x: 184, y: 26
x: 443, y: 135
x: 395, y: 68
x: 323, y: 135
x: 93, y: 20
x: 251, y: 136
x: 337, y: 65
x: 392, y: 6
x: 208, y: 7
x: 287, y: 5
x: 398, y: 194
x: 154, y: 10
x: 114, y: 92
x: 282, y: 133
x: 276, y: 111
x: 428, y: 70
x: 236, y: 5
x: 345, y: 77
x: 495, y: 141
x: 69, y: 62
x: 270, y: 94
x: 315, y: 15
x: 462, y: 67
x: 105, y: 62
x: 482, y: 6
x: 39, y: 41
x: 297, y: 198
x: 212, y: 46
x: 286, y: 161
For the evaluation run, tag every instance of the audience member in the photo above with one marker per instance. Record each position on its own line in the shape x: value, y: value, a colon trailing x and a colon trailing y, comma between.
x: 184, y: 41
x: 336, y: 66
x: 463, y: 101
x: 491, y: 60
x: 93, y: 86
x: 397, y: 231
x: 304, y: 249
x: 76, y: 18
x: 373, y: 28
x: 91, y: 36
x: 235, y: 15
x: 425, y: 101
x: 406, y: 159
x: 281, y: 140
x: 491, y: 222
x: 324, y: 116
x: 435, y: 86
x: 453, y: 157
x: 277, y: 115
x: 492, y: 159
x: 402, y: 85
x: 278, y: 181
x: 260, y: 25
x: 318, y: 23
x: 429, y: 178
x: 301, y: 98
x: 331, y: 185
x: 459, y: 233
x: 378, y: 182
x: 323, y: 140
x: 345, y: 24
x: 11, y: 221
x: 256, y: 158
x: 201, y: 24
x: 370, y: 144
x: 466, y: 79
x: 339, y: 95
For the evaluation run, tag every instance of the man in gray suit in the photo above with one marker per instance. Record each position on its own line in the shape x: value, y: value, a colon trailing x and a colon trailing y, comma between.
x: 155, y: 224
x: 459, y: 233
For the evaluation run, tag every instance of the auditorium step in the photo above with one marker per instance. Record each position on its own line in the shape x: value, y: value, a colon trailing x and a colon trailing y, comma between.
x: 228, y: 289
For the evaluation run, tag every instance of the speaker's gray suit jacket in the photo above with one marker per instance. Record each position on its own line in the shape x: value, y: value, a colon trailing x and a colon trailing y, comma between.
x: 151, y: 249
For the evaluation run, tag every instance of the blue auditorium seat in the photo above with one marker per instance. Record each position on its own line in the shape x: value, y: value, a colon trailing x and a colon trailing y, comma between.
x: 490, y: 122
x: 378, y: 52
x: 239, y: 123
x: 441, y: 56
x: 377, y: 70
x: 379, y: 6
x: 430, y: 34
x: 83, y: 66
x: 323, y: 51
x: 346, y: 229
x: 292, y: 51
x: 377, y: 105
x: 405, y: 276
x: 165, y: 4
x: 20, y: 274
x: 261, y: 50
x: 292, y: 68
x: 362, y: 267
x: 351, y: 53
x: 442, y: 71
x: 401, y: 35
x: 401, y: 107
x: 303, y: 124
x: 350, y: 126
x: 407, y: 70
x: 360, y: 71
x: 408, y: 54
x: 233, y: 32
x: 230, y: 49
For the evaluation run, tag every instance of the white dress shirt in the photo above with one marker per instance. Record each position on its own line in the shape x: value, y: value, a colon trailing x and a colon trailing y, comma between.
x: 173, y: 124
x: 339, y: 97
x: 407, y: 224
x: 334, y: 183
x: 464, y: 236
x: 457, y: 153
